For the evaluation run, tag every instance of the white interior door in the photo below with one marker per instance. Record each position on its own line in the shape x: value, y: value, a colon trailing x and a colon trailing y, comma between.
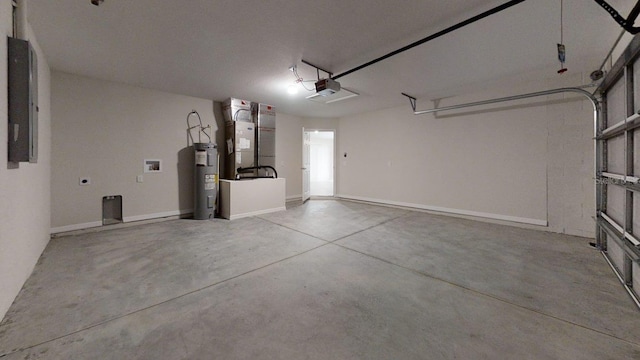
x: 322, y: 162
x: 306, y: 166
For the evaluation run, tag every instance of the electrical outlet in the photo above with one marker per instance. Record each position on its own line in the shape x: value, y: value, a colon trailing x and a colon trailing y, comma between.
x: 84, y: 181
x: 139, y: 179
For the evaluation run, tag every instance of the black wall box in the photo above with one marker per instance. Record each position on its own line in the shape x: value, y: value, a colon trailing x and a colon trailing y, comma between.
x: 23, y: 101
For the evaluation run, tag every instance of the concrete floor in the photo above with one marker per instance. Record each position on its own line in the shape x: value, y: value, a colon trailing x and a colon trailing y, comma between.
x: 324, y: 280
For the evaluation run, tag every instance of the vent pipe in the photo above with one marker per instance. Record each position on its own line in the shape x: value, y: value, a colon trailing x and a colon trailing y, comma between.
x: 20, y: 19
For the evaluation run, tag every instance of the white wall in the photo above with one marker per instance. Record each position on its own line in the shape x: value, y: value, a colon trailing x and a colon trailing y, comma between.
x: 515, y: 161
x: 289, y: 153
x: 289, y: 147
x: 105, y: 130
x: 25, y: 191
x: 528, y: 161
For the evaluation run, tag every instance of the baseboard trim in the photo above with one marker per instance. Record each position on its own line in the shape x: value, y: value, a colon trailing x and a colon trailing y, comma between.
x: 157, y: 215
x: 293, y: 198
x: 127, y: 219
x: 439, y: 209
x: 66, y: 228
x: 255, y: 213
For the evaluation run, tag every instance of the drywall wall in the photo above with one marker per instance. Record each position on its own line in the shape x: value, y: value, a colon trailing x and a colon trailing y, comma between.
x: 289, y: 147
x: 25, y: 191
x: 289, y: 153
x: 104, y: 131
x: 528, y: 161
x: 570, y: 164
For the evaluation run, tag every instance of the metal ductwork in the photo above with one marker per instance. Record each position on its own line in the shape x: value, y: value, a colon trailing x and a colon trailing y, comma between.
x: 250, y: 134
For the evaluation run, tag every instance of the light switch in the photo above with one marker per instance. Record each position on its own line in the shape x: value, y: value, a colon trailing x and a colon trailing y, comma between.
x: 139, y: 179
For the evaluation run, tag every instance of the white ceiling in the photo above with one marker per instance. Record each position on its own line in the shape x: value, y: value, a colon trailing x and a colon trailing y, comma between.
x: 216, y: 49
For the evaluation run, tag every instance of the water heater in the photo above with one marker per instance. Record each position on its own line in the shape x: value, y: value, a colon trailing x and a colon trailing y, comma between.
x: 205, y: 180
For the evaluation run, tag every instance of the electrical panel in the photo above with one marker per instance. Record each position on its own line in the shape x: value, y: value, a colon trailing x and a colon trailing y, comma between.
x: 23, y: 101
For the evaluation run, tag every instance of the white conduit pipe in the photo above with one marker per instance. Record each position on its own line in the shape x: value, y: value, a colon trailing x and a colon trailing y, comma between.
x: 21, y: 19
x: 592, y: 98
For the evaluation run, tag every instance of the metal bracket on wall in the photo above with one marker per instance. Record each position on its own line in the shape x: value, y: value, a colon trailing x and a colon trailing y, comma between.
x: 318, y: 69
x: 412, y: 100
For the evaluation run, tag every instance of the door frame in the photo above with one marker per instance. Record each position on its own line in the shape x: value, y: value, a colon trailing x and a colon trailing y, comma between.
x: 305, y: 166
x: 335, y: 168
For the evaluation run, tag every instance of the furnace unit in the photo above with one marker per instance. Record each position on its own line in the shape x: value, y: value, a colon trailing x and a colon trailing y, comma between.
x: 266, y: 139
x: 240, y: 137
x: 250, y: 140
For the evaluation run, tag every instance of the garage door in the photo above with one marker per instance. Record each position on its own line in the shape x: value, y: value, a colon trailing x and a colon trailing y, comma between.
x: 618, y: 169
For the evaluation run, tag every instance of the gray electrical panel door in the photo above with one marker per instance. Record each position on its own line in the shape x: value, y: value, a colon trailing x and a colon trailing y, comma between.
x: 23, y: 101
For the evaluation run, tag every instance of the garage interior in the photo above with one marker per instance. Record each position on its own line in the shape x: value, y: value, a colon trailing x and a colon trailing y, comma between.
x: 478, y: 179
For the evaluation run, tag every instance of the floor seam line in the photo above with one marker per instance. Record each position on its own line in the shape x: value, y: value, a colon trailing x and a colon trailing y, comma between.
x: 491, y: 296
x: 162, y: 302
x: 338, y: 239
x: 368, y: 228
x: 292, y: 229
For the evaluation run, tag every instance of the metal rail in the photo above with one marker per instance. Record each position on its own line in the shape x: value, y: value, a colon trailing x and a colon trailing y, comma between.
x: 592, y: 98
x: 457, y: 26
x: 621, y: 279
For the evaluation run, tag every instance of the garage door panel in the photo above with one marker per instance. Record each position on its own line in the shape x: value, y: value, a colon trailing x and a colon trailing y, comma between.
x: 636, y: 148
x: 616, y: 109
x: 616, y: 254
x: 636, y: 85
x: 615, y: 203
x: 636, y: 277
x: 636, y: 215
x: 615, y: 155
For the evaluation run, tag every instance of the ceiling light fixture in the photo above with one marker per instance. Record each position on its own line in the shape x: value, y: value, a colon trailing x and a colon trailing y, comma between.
x: 293, y: 88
